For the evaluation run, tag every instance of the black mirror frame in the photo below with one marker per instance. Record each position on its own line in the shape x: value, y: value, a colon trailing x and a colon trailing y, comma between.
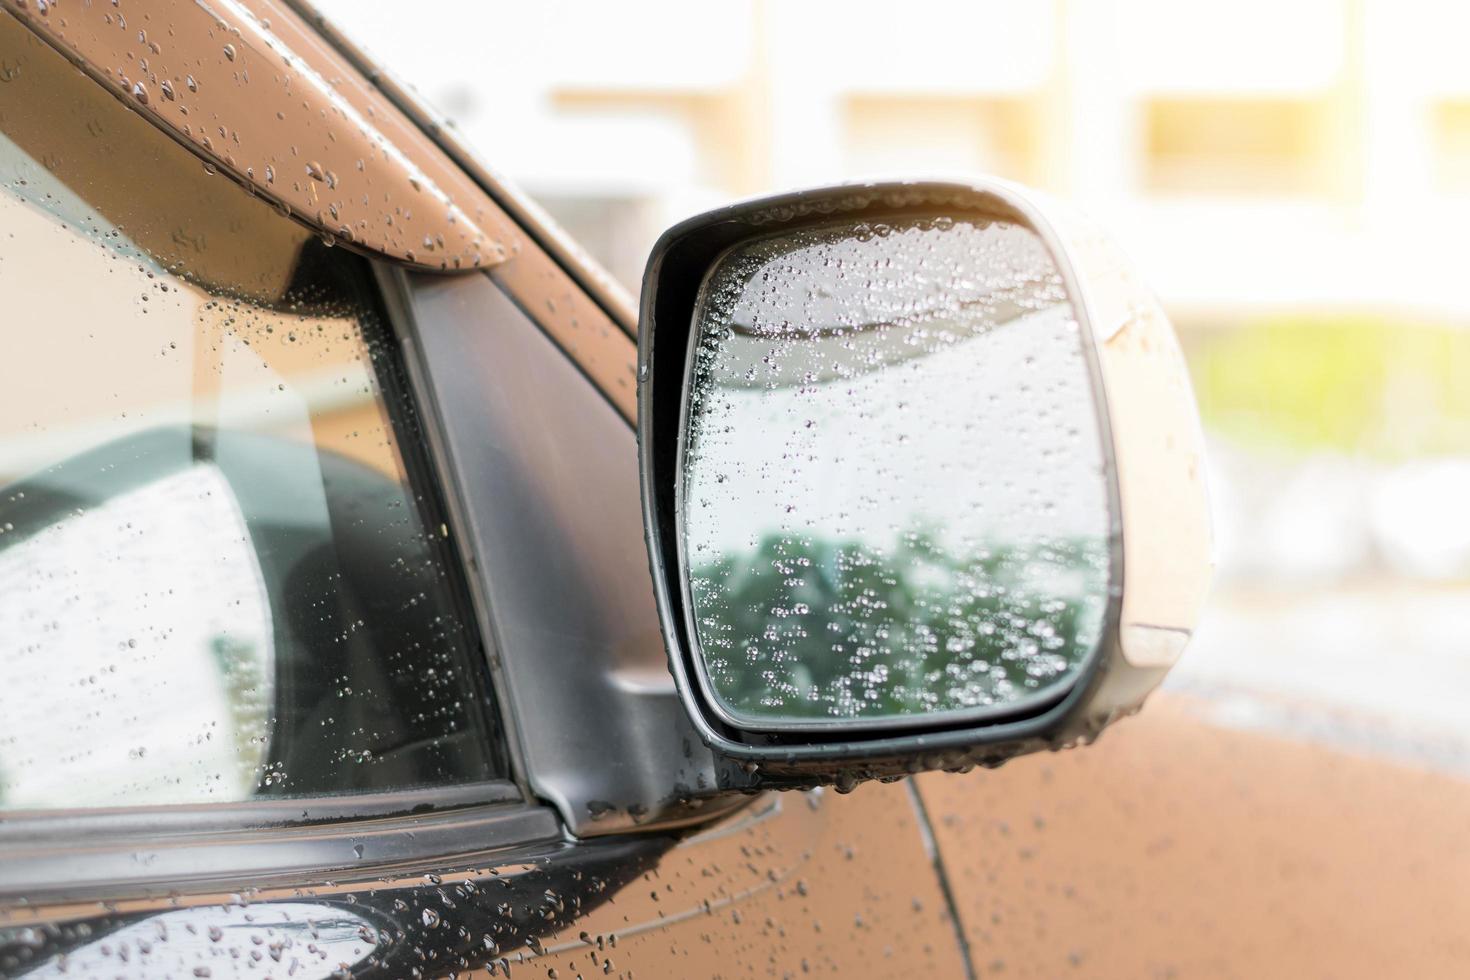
x: 1108, y: 685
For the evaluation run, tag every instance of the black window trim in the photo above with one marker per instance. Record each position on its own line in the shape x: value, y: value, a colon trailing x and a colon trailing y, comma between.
x: 413, y: 413
x: 393, y: 295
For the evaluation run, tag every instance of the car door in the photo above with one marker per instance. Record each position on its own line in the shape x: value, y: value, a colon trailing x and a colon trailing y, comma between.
x: 328, y: 641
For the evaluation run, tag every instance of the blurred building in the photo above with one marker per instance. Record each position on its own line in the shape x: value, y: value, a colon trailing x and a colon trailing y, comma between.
x: 1257, y: 154
x: 1292, y: 177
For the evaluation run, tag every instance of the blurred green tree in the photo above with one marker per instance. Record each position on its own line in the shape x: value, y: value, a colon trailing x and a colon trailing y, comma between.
x: 805, y: 627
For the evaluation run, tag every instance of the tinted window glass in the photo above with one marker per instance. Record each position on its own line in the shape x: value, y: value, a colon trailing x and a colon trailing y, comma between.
x: 217, y: 580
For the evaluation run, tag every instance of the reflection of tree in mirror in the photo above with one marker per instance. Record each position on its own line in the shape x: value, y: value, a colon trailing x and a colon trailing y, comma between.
x: 802, y: 627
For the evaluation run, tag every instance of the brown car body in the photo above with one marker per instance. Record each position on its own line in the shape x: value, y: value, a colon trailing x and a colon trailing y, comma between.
x: 1174, y: 847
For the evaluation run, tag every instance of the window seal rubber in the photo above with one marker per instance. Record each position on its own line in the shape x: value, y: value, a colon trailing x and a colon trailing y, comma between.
x: 56, y: 857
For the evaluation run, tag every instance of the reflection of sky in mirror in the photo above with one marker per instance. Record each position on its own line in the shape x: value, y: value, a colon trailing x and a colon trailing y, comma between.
x: 945, y: 388
x: 995, y: 439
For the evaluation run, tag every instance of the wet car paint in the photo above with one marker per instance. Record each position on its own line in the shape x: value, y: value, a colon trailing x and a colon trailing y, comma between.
x: 1179, y: 847
x: 814, y: 883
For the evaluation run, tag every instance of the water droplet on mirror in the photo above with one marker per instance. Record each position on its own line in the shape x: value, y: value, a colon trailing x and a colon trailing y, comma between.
x: 875, y: 338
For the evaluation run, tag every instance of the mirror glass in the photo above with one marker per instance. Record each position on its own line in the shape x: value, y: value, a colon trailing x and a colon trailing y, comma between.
x: 894, y: 499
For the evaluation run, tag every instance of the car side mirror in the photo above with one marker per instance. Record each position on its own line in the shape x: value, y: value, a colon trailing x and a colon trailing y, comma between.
x: 922, y: 479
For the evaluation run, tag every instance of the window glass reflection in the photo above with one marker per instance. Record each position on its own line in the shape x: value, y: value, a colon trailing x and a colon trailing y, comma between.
x: 217, y: 579
x: 148, y: 611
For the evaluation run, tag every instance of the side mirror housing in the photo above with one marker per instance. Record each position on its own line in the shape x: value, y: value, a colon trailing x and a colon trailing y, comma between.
x: 922, y: 479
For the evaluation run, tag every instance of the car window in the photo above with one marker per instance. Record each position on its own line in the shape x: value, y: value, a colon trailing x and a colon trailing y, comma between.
x: 217, y: 579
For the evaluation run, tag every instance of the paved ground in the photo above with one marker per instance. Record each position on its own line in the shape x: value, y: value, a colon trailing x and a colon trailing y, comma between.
x: 1382, y: 668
